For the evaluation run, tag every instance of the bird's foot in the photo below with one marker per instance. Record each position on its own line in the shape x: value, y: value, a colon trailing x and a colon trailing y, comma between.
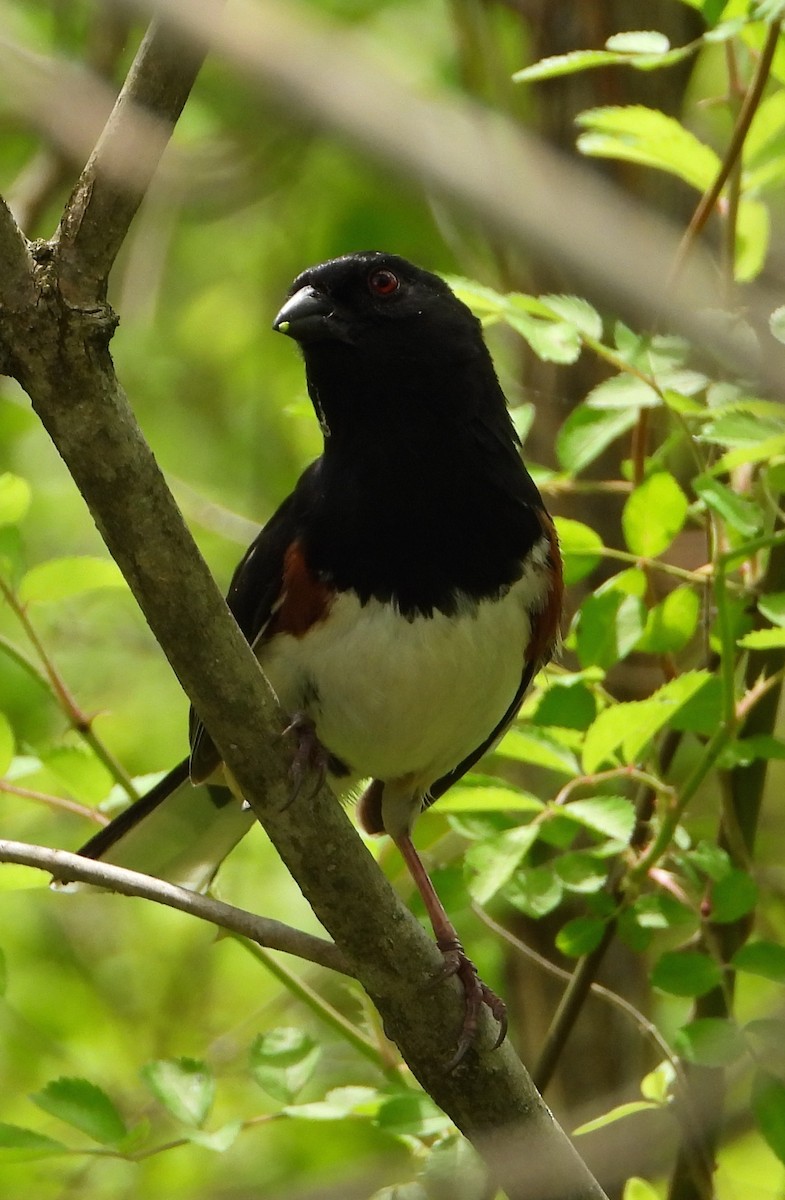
x: 476, y: 993
x: 310, y: 756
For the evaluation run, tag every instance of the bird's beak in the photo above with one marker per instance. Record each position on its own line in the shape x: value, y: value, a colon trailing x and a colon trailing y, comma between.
x: 309, y: 316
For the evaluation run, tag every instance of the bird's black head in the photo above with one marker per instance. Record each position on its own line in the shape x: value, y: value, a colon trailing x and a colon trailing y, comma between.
x: 385, y: 341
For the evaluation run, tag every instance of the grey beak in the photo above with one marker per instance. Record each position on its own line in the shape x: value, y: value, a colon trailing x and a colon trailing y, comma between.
x: 307, y: 316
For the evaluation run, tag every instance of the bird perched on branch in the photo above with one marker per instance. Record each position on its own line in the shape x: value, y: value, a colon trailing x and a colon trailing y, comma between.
x: 403, y: 596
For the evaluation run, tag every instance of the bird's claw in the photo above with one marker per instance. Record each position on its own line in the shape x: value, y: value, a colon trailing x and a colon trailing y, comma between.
x: 309, y: 756
x: 475, y: 992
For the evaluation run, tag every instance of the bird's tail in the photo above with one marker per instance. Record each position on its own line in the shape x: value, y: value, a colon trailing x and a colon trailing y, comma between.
x: 175, y: 831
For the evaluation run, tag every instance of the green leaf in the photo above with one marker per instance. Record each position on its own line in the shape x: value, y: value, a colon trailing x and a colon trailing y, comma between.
x: 629, y: 727
x: 7, y: 744
x: 639, y: 41
x: 768, y: 1105
x: 339, y: 1103
x: 612, y: 816
x: 638, y: 1189
x: 587, y: 432
x: 580, y: 872
x: 686, y: 973
x: 84, y: 1106
x: 671, y: 624
x: 78, y: 769
x: 586, y: 60
x: 219, y: 1140
x: 623, y: 391
x: 412, y: 1114
x: 607, y: 627
x: 25, y: 1145
x: 580, y: 936
x: 743, y: 515
x: 733, y: 896
x: 772, y: 605
x: 653, y: 515
x: 536, y: 746
x: 763, y: 639
x: 62, y: 578
x: 488, y: 799
x: 710, y: 1042
x: 454, y: 1171
x: 576, y: 312
x: 651, y: 139
x: 401, y: 1191
x: 570, y: 705
x: 184, y: 1086
x: 658, y: 1084
x: 495, y: 860
x: 753, y: 229
x: 766, y: 959
x: 551, y: 341
x: 15, y: 498
x: 282, y: 1061
x: 581, y: 548
x: 777, y: 323
x: 534, y: 891
x: 614, y: 1114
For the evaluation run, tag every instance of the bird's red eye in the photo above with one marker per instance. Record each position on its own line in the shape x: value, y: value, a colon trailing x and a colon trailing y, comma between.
x: 383, y: 282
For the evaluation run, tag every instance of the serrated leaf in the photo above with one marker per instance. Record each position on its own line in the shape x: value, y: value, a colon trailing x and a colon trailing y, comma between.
x: 282, y: 1061
x: 488, y: 799
x: 710, y: 1042
x: 671, y: 624
x: 25, y: 1145
x: 184, y: 1086
x: 587, y: 432
x: 623, y: 391
x: 580, y: 936
x: 534, y: 891
x: 612, y: 816
x: 571, y: 706
x: 763, y: 958
x: 495, y: 860
x: 650, y: 138
x: 7, y: 744
x: 62, y: 578
x: 653, y: 515
x: 581, y: 548
x: 768, y: 1105
x: 686, y: 973
x: 585, y: 60
x: 614, y: 1114
x: 630, y: 726
x: 552, y: 341
x: 763, y: 639
x: 742, y: 514
x: 753, y: 230
x: 538, y: 747
x: 576, y: 312
x: 764, y: 451
x: 78, y: 769
x: 85, y: 1106
x: 733, y: 896
x: 15, y: 497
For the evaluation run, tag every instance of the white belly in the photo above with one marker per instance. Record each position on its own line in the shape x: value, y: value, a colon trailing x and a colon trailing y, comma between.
x: 393, y: 697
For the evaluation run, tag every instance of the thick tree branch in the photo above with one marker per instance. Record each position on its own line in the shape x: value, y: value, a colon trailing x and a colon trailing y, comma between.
x: 16, y: 265
x: 273, y: 935
x: 105, y: 200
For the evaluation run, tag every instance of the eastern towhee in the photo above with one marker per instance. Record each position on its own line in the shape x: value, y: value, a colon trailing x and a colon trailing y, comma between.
x: 403, y: 596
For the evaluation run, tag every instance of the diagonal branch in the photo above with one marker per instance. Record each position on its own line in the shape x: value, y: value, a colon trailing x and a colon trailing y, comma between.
x: 105, y: 199
x: 265, y: 932
x: 16, y: 279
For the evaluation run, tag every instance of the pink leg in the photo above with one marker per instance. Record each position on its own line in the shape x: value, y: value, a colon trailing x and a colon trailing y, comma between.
x: 456, y: 961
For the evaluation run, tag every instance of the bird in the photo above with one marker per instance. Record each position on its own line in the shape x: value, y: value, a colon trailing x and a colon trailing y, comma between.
x: 404, y: 595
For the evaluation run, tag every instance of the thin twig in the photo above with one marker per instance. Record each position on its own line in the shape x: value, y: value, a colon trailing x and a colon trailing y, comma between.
x: 262, y: 930
x: 62, y: 802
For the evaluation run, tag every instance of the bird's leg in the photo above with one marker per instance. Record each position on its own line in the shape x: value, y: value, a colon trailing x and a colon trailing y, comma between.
x: 456, y: 961
x: 309, y: 755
